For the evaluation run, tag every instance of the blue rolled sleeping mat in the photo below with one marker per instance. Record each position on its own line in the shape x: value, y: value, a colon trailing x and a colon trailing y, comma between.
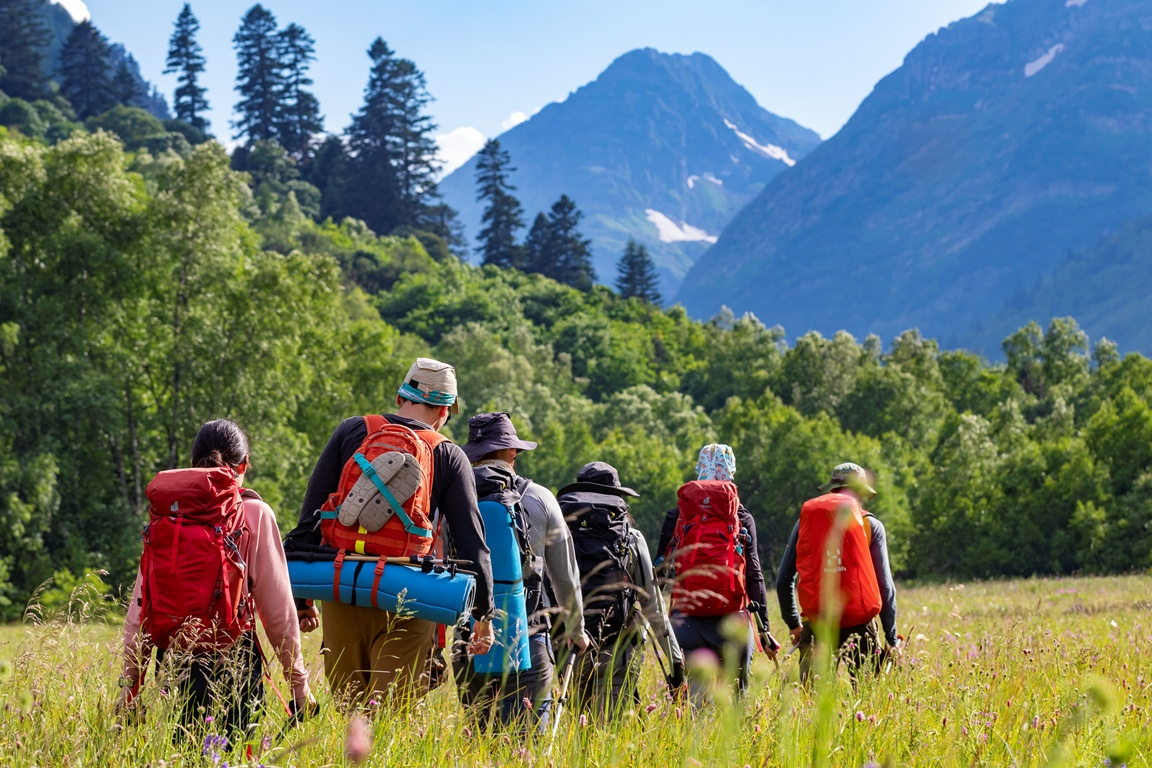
x: 510, y: 652
x: 439, y: 595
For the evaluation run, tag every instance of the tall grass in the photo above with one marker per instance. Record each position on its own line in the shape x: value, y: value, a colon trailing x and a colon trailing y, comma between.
x: 1028, y: 673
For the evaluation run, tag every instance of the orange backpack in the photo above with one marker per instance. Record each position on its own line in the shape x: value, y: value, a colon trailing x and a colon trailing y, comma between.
x: 408, y: 529
x: 847, y: 564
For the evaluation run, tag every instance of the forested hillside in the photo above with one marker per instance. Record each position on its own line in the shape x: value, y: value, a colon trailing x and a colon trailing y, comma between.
x: 144, y: 292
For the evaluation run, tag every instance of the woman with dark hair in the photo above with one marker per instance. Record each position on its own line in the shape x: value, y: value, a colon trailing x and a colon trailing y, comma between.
x: 212, y: 561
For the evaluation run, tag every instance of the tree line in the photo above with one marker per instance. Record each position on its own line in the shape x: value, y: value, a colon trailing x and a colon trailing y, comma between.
x: 142, y: 294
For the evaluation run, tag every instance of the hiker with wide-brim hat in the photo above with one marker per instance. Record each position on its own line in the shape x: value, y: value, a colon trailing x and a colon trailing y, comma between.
x: 621, y: 599
x: 836, y: 537
x: 719, y: 601
x: 552, y: 585
x: 373, y: 653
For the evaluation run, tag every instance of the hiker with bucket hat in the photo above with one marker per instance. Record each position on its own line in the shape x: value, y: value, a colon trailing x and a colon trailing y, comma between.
x: 371, y: 652
x: 622, y: 603
x: 710, y: 548
x: 551, y: 582
x: 836, y: 567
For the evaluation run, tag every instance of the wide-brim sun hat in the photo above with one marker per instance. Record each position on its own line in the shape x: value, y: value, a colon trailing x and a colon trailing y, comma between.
x: 431, y: 382
x: 488, y: 432
x: 598, y: 477
x: 848, y: 475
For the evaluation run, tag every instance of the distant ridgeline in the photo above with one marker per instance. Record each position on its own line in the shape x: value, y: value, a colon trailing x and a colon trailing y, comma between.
x: 170, y: 291
x: 954, y: 195
x: 661, y: 149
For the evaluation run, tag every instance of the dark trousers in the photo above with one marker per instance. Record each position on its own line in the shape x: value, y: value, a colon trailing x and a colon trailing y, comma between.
x: 606, y: 680
x: 227, y: 686
x: 734, y: 649
x: 858, y: 646
x: 515, y: 698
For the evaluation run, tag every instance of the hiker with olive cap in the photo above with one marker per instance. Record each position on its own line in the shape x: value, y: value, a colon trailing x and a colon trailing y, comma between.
x: 492, y: 448
x: 622, y: 603
x: 836, y: 566
x: 370, y: 652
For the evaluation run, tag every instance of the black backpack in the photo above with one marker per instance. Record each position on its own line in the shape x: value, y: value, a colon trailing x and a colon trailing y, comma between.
x: 497, y: 484
x: 600, y: 534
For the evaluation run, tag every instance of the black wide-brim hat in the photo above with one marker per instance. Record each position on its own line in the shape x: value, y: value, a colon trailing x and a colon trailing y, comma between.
x: 488, y: 432
x: 598, y: 477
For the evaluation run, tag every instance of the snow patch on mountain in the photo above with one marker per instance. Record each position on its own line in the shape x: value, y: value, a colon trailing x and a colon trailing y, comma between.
x: 1038, y: 64
x: 767, y: 150
x: 671, y: 232
x: 76, y: 9
x: 706, y: 177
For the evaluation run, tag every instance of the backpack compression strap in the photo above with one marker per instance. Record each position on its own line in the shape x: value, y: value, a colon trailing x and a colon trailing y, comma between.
x: 369, y: 471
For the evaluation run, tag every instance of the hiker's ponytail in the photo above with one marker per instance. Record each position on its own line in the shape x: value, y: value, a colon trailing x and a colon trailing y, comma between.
x: 219, y: 443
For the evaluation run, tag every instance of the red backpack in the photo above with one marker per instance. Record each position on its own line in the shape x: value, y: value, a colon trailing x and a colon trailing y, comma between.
x: 707, y: 551
x: 193, y: 591
x: 408, y: 529
x: 834, y: 562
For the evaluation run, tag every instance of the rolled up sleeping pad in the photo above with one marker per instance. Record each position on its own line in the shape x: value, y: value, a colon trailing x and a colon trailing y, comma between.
x: 510, y: 651
x: 442, y: 598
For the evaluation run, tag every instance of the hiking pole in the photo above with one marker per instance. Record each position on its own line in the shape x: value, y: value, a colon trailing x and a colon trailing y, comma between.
x: 758, y: 623
x: 565, y: 684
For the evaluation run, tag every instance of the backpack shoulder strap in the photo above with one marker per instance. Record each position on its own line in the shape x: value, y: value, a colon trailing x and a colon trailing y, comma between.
x: 431, y: 437
x: 374, y: 422
x: 867, y: 524
x: 249, y: 495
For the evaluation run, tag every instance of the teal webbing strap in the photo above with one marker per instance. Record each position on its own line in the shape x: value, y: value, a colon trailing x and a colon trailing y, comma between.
x: 329, y: 515
x: 370, y: 472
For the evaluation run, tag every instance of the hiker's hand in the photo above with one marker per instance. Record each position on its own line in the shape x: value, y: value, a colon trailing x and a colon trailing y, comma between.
x: 482, y: 638
x: 309, y: 617
x: 582, y: 642
x: 304, y: 708
x: 771, y: 645
x: 795, y: 632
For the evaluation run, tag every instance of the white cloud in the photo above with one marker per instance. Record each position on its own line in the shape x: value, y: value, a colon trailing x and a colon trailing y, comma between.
x: 671, y: 232
x: 1074, y: 3
x: 457, y: 147
x: 513, y: 120
x: 770, y: 151
x: 1036, y: 65
x: 76, y: 9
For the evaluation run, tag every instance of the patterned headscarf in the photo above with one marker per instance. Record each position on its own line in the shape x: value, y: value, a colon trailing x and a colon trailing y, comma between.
x: 716, y: 462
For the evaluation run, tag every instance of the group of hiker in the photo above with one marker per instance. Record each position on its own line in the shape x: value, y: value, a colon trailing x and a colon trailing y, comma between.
x: 566, y: 596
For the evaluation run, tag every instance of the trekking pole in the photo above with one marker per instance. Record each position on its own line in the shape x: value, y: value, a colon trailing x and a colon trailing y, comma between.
x: 565, y: 684
x: 759, y: 626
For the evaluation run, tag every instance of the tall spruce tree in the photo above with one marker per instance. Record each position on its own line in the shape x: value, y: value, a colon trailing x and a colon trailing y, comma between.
x: 84, y: 72
x: 392, y: 154
x: 503, y: 214
x: 129, y: 91
x: 537, y: 249
x: 636, y: 274
x: 260, y: 79
x: 571, y: 258
x: 23, y: 40
x: 300, y: 118
x: 186, y: 57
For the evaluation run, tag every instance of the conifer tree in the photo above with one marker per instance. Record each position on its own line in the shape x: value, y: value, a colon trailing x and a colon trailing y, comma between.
x: 537, y: 248
x: 84, y: 75
x: 392, y: 154
x: 503, y: 214
x: 260, y: 79
x: 300, y: 119
x: 186, y: 57
x: 637, y: 274
x: 127, y: 88
x: 23, y: 39
x: 571, y: 258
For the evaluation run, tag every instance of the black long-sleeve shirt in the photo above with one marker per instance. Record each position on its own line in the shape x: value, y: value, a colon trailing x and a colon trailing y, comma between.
x: 877, y: 548
x: 753, y: 575
x: 453, y: 494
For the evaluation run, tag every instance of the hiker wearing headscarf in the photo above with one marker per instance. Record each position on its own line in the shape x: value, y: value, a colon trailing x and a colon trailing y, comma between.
x: 729, y: 638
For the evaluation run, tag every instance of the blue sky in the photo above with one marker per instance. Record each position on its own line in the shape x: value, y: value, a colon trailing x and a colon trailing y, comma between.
x: 489, y: 63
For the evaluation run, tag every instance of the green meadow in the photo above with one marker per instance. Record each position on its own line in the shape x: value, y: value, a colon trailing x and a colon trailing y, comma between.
x: 1038, y: 672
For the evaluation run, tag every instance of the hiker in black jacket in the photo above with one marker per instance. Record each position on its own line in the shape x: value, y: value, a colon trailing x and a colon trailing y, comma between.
x: 730, y: 637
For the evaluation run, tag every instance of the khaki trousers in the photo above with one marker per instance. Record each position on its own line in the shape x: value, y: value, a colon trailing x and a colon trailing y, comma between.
x: 369, y: 653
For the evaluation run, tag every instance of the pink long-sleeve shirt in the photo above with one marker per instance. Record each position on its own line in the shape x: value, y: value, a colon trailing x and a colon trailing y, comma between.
x: 270, y: 589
